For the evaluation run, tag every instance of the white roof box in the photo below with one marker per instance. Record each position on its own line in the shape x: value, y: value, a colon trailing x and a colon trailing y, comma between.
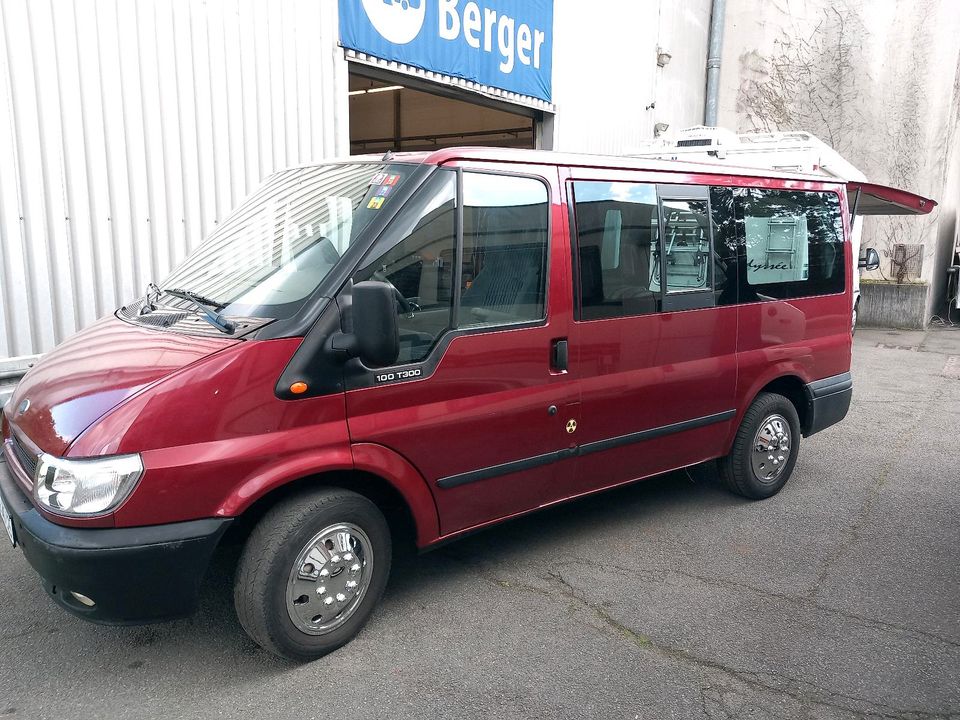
x: 799, y: 152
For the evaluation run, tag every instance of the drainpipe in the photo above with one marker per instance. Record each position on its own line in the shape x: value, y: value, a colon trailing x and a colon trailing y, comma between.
x: 714, y: 51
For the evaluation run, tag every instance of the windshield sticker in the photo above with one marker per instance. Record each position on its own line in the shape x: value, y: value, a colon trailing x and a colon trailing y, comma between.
x: 375, y: 202
x: 391, y: 180
x: 378, y: 178
x: 384, y: 190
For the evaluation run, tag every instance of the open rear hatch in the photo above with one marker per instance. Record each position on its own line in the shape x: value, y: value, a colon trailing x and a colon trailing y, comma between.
x: 869, y: 199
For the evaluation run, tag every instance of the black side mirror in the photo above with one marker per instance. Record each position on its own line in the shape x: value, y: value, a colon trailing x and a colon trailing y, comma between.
x: 870, y: 260
x: 376, y: 337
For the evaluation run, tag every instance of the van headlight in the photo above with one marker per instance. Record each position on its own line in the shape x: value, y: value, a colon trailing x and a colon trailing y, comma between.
x: 85, y: 487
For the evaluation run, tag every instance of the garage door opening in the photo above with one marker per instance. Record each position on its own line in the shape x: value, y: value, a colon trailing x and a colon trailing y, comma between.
x: 396, y: 112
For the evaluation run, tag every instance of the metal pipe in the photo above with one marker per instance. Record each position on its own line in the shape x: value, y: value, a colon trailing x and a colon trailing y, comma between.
x: 718, y: 12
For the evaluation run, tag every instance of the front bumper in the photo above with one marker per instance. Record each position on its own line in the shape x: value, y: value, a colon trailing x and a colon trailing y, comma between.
x: 133, y: 575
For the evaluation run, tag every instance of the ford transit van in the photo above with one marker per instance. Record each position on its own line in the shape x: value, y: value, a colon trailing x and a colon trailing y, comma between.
x: 415, y: 347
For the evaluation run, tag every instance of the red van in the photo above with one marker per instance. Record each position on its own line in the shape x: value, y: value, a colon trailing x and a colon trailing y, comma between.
x: 418, y: 346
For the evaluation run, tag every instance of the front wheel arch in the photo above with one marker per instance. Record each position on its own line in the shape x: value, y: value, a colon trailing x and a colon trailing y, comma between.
x: 382, y: 493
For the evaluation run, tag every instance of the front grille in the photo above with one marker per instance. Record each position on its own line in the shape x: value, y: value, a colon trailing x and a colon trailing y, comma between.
x: 27, y: 460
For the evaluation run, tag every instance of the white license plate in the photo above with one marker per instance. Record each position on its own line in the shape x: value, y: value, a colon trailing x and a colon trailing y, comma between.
x: 7, y: 523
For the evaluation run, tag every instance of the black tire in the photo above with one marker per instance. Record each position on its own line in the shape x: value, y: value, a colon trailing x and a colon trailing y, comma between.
x: 737, y: 468
x: 263, y: 572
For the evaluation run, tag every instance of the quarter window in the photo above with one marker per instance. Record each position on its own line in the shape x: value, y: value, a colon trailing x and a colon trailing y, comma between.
x: 422, y: 239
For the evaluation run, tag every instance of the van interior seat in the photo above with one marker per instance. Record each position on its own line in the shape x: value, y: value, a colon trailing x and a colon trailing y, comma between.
x: 626, y: 286
x: 510, y: 282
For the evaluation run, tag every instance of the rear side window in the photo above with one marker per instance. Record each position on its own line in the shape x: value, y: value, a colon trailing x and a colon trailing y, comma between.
x: 793, y: 243
x: 505, y: 239
x: 617, y: 245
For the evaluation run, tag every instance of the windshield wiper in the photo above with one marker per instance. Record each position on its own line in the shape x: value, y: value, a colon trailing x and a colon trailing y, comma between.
x: 149, y: 305
x: 202, y: 304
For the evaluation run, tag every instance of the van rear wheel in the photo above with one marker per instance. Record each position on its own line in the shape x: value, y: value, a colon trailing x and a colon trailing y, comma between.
x: 311, y: 572
x: 765, y: 448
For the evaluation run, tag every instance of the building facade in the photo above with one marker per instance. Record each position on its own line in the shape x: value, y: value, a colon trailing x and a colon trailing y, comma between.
x: 130, y: 128
x: 879, y: 81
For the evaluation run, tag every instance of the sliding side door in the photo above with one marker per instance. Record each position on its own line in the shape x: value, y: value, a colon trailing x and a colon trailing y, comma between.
x: 654, y: 337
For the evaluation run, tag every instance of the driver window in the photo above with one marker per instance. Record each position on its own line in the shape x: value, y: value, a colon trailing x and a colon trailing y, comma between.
x: 421, y: 242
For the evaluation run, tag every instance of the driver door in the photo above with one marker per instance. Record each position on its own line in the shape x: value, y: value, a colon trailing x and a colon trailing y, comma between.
x: 481, y: 395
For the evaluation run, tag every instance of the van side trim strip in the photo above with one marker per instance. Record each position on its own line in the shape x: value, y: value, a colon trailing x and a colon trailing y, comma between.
x: 535, y: 461
x: 656, y: 432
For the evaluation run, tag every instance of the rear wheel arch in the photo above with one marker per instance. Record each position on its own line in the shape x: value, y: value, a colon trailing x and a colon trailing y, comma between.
x: 794, y: 390
x: 788, y: 384
x: 765, y: 449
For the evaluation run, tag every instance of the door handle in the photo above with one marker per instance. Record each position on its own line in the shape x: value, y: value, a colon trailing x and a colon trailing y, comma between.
x: 559, y: 356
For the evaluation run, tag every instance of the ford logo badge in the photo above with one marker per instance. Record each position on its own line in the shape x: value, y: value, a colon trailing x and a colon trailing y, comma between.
x: 23, y: 406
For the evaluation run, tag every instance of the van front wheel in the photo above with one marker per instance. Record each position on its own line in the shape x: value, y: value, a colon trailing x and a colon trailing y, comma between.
x: 311, y: 572
x: 765, y: 448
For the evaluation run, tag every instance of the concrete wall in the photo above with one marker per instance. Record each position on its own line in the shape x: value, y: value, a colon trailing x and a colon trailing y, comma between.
x: 877, y: 80
x: 608, y: 89
x: 884, y: 304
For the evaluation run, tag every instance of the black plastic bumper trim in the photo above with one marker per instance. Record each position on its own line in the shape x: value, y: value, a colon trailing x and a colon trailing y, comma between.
x: 828, y: 401
x: 134, y: 575
x: 534, y: 461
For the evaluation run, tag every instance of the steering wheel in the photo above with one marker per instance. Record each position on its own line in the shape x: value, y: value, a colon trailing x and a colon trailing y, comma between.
x: 405, y: 305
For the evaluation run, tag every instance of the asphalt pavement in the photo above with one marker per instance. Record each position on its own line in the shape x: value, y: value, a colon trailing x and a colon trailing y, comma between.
x: 838, y: 598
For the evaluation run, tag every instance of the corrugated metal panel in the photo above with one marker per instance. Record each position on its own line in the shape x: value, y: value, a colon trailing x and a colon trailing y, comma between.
x: 130, y: 128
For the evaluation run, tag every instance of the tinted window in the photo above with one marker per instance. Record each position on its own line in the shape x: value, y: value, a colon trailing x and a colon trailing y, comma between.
x: 617, y: 229
x: 504, y: 253
x: 725, y: 247
x: 421, y: 241
x: 686, y: 245
x: 793, y: 243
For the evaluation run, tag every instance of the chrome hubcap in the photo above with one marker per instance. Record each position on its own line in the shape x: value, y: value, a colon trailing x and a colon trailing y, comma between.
x: 771, y: 448
x: 329, y: 578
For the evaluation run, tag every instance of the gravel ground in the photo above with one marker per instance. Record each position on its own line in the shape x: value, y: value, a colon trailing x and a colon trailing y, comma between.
x: 838, y: 598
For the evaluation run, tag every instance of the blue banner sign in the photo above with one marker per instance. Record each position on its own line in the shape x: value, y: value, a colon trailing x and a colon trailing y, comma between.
x: 506, y: 44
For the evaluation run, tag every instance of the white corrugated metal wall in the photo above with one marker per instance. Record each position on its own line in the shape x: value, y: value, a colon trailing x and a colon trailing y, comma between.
x: 129, y: 128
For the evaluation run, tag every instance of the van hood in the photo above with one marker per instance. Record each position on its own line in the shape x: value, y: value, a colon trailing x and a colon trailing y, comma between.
x: 94, y: 371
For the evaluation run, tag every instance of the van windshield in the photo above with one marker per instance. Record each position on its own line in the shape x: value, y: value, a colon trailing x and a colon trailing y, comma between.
x: 272, y: 252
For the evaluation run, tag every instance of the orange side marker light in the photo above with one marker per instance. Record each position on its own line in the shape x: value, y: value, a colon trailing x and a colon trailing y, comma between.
x: 298, y: 388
